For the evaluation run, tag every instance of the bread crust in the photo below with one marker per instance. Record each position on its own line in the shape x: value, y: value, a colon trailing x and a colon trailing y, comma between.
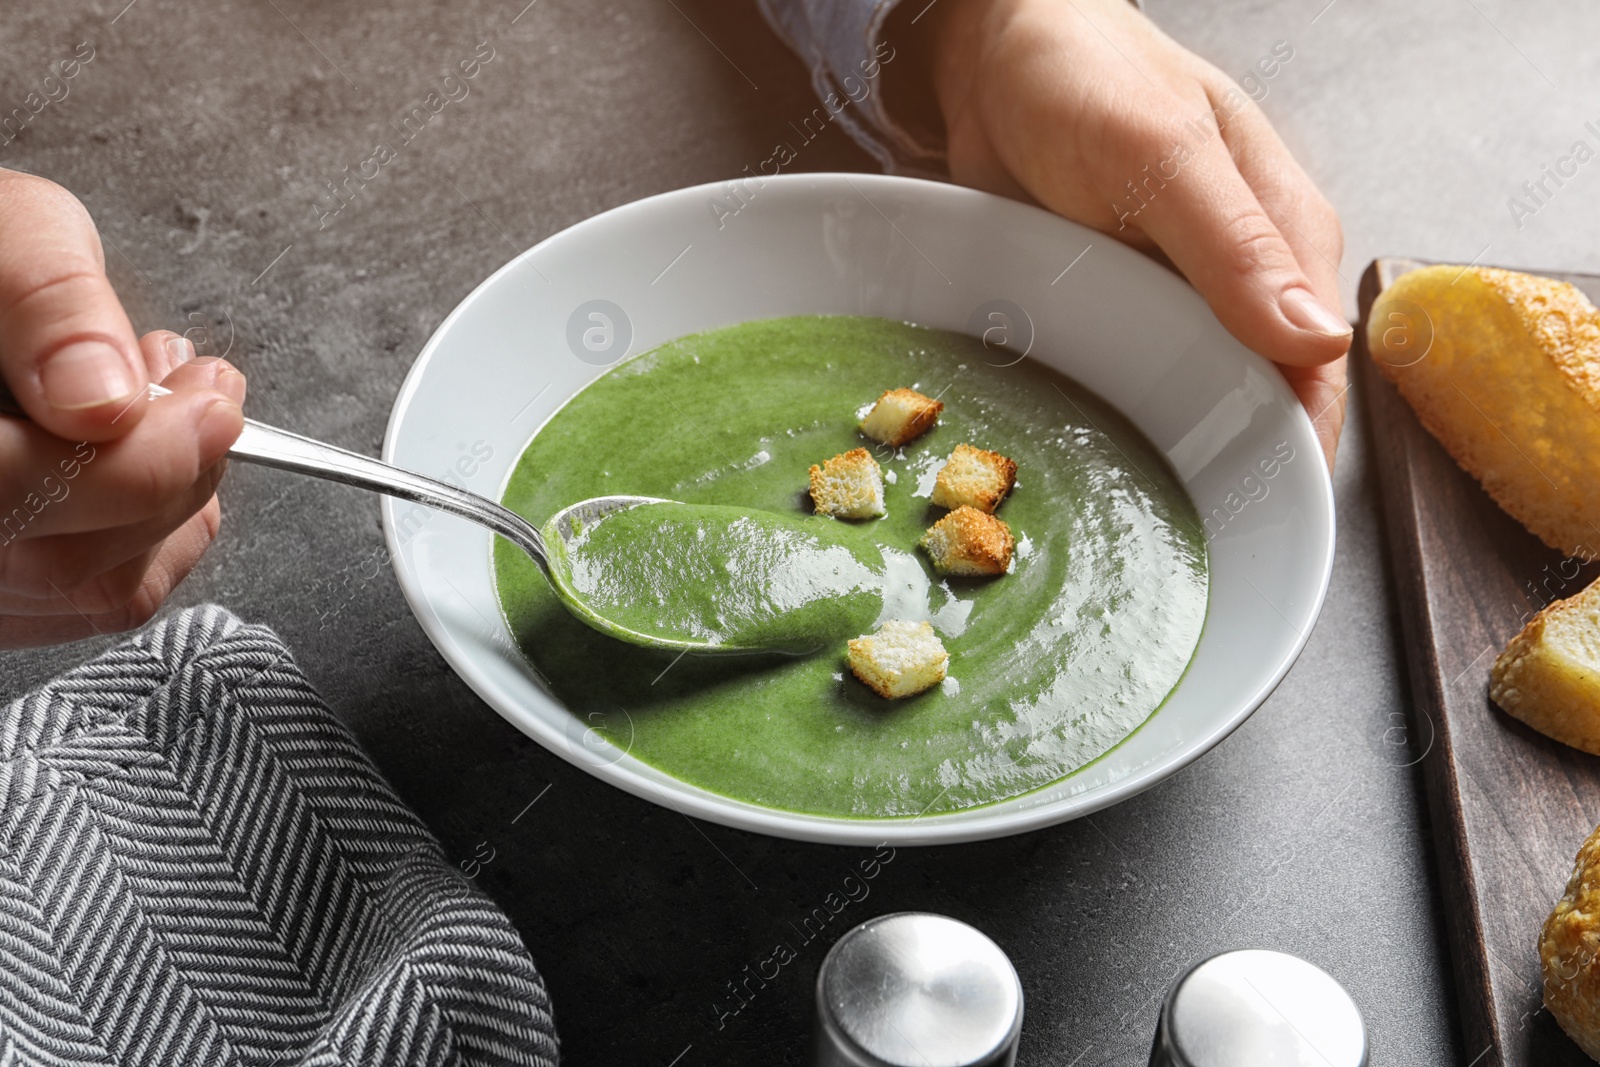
x: 1510, y: 385
x: 974, y: 477
x: 1569, y: 952
x: 848, y: 486
x: 969, y: 542
x: 1549, y: 675
x: 900, y: 660
x: 899, y: 416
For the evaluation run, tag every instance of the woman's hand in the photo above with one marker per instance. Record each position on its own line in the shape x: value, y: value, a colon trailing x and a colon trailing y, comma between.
x: 107, y: 498
x: 1086, y: 108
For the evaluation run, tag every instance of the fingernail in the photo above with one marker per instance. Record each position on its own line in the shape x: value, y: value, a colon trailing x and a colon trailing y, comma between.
x: 1304, y: 310
x: 86, y: 374
x: 179, y: 350
x: 231, y: 383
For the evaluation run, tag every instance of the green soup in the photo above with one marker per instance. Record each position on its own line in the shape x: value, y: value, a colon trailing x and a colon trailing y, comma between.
x: 1051, y: 665
x: 738, y: 579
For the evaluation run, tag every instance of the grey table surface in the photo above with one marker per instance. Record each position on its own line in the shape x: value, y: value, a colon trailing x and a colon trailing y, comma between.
x: 201, y: 138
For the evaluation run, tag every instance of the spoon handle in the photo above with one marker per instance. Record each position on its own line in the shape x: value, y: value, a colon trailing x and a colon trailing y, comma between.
x: 269, y: 446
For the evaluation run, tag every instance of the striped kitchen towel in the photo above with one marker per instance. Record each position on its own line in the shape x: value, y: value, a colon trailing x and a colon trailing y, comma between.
x: 199, y: 865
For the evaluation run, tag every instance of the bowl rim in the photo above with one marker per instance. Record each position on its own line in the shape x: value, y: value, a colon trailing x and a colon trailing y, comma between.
x: 696, y: 801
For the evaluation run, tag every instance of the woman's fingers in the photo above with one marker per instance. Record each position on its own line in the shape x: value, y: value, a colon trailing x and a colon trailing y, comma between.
x: 1324, y: 391
x: 1131, y: 145
x: 1311, y: 228
x: 51, y: 486
x: 189, y: 373
x: 1200, y: 210
x: 164, y: 352
x: 1291, y: 199
x: 1100, y: 117
x: 106, y: 496
x: 67, y: 351
x: 90, y: 567
x: 166, y: 568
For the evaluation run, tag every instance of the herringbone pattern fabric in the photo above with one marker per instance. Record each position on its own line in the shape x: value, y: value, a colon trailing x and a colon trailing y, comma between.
x: 199, y: 866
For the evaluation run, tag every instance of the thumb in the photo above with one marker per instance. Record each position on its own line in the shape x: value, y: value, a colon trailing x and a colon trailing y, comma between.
x: 67, y: 350
x: 1210, y: 223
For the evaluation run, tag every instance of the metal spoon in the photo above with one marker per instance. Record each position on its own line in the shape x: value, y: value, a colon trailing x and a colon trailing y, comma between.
x: 268, y: 446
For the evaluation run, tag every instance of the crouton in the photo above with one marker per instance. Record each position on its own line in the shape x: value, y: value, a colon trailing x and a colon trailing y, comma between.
x: 969, y: 542
x: 848, y: 486
x: 974, y: 478
x: 1549, y: 675
x: 1508, y: 379
x: 902, y: 659
x: 900, y: 415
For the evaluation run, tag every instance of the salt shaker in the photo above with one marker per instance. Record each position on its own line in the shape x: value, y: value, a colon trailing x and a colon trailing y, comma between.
x: 912, y: 989
x: 1262, y: 1008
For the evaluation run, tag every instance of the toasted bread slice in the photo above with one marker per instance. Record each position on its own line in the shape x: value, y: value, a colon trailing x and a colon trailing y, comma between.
x: 899, y: 416
x: 974, y: 478
x: 1510, y: 385
x: 969, y: 542
x: 902, y: 659
x: 1567, y: 955
x: 1549, y: 675
x: 848, y: 486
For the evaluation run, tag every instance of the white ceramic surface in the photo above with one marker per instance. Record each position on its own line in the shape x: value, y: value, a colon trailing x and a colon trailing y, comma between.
x: 623, y: 282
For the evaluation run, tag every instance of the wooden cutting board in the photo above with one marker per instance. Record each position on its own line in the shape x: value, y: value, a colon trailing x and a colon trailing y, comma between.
x: 1509, y: 806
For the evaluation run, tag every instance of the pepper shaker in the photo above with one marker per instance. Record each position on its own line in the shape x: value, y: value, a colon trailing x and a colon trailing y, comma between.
x: 1257, y: 1007
x: 912, y: 989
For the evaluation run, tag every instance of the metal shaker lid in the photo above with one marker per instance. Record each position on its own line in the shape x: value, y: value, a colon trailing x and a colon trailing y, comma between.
x: 1263, y: 1008
x: 918, y: 989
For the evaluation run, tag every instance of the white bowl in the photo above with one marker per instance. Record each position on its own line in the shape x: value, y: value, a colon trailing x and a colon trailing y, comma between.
x: 896, y: 248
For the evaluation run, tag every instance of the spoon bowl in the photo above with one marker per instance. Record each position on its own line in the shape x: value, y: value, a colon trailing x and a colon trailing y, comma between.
x: 725, y: 579
x: 565, y: 527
